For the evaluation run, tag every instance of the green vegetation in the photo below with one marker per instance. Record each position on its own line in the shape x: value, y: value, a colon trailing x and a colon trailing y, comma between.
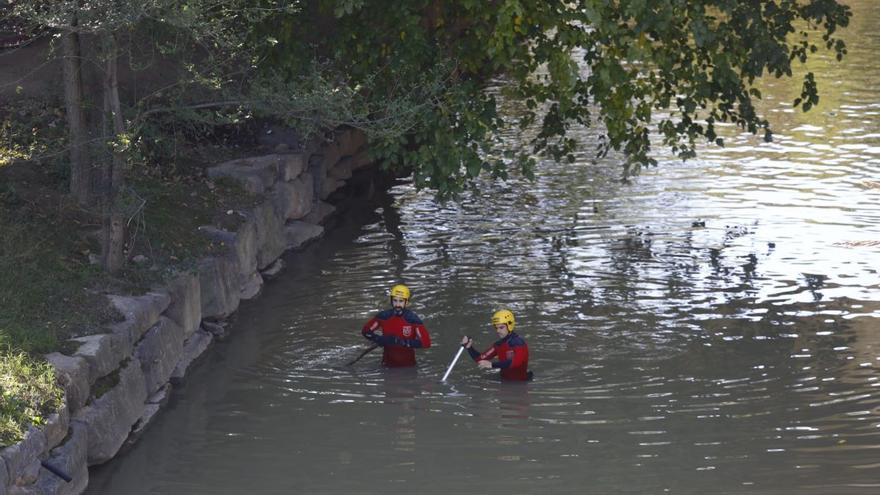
x: 631, y: 68
x: 28, y: 394
x: 52, y: 290
x: 45, y: 291
x: 32, y: 128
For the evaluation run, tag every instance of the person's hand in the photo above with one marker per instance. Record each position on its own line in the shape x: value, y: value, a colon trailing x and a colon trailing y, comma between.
x: 386, y: 340
x: 467, y: 342
x: 484, y: 364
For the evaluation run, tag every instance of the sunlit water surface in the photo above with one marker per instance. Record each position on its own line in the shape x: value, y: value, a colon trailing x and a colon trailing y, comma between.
x: 740, y: 356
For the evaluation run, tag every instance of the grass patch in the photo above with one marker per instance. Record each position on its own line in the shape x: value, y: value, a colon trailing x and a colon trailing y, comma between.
x: 28, y: 394
x: 50, y: 287
x: 51, y: 290
x: 174, y: 209
x: 47, y: 288
x: 30, y: 128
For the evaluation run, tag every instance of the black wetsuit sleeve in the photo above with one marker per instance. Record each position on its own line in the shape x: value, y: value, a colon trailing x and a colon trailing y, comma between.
x: 502, y: 364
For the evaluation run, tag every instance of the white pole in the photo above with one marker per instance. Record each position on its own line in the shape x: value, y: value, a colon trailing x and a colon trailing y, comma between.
x: 455, y: 360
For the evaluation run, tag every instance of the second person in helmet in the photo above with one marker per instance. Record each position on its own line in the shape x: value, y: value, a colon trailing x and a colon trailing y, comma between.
x: 510, y: 351
x: 398, y: 330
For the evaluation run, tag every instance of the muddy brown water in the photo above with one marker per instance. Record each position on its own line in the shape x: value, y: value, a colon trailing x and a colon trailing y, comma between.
x: 709, y: 327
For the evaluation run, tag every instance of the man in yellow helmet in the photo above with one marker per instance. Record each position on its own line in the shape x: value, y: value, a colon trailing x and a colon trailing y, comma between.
x: 510, y: 350
x: 398, y: 330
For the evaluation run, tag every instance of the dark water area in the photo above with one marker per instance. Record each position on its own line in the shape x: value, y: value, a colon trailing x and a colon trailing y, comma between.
x: 711, y: 326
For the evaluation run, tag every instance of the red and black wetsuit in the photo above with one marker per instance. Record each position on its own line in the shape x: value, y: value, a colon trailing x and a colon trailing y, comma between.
x: 513, y: 357
x: 400, y: 335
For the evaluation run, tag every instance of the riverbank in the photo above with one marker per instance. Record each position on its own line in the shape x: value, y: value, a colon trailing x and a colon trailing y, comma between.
x: 117, y: 344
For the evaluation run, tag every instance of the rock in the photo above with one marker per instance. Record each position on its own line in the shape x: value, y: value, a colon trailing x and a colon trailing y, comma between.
x: 330, y: 186
x: 29, y: 488
x: 110, y: 417
x: 356, y: 142
x: 192, y: 349
x: 56, y: 426
x: 360, y: 160
x: 319, y: 213
x: 140, y: 313
x: 255, y: 173
x: 152, y: 407
x: 186, y: 302
x: 342, y: 170
x: 283, y: 197
x: 219, y: 286
x: 140, y: 259
x: 305, y: 189
x: 161, y: 396
x: 100, y: 353
x: 292, y: 166
x: 158, y: 352
x: 274, y: 269
x: 70, y: 459
x: 270, y: 234
x: 150, y: 411
x: 23, y: 458
x: 298, y: 233
x: 330, y: 154
x: 218, y: 330
x: 246, y: 247
x: 4, y: 478
x: 345, y: 143
x: 252, y: 286
x: 74, y: 376
x: 242, y: 245
x: 294, y: 199
x: 317, y: 171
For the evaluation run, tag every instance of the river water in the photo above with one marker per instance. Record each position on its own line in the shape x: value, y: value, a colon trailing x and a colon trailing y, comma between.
x: 710, y: 326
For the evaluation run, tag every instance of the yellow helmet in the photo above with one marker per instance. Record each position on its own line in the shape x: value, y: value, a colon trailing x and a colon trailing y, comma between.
x: 400, y: 290
x: 504, y: 317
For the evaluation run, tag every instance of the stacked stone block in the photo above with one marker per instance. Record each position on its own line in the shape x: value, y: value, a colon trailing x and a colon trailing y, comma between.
x: 116, y: 381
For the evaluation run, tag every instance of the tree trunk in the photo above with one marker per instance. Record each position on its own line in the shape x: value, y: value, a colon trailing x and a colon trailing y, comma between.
x: 81, y: 176
x: 113, y: 225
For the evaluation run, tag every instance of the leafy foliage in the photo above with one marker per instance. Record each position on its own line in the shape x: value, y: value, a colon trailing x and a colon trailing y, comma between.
x: 631, y: 66
x: 28, y: 129
x: 28, y: 394
x: 413, y: 73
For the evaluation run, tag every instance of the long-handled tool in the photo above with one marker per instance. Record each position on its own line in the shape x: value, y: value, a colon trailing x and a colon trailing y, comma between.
x: 454, y: 360
x: 367, y: 351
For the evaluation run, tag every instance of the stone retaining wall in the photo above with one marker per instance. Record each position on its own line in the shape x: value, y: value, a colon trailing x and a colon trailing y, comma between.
x: 116, y: 381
